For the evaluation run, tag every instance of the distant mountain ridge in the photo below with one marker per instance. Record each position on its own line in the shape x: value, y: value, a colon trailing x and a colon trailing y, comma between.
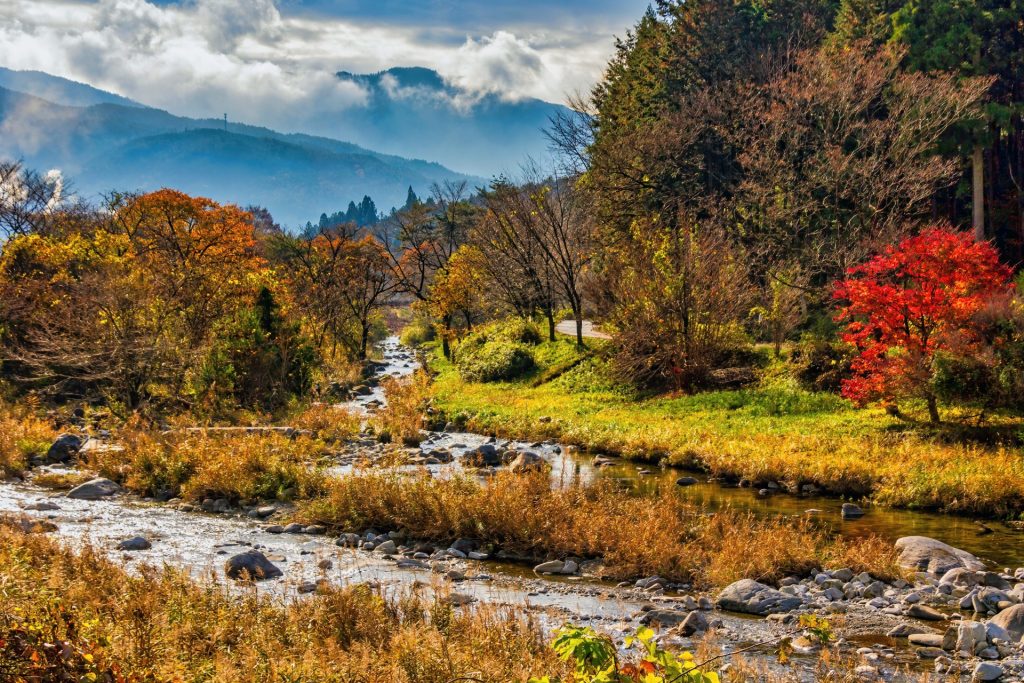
x: 415, y: 111
x: 102, y: 143
x: 59, y: 90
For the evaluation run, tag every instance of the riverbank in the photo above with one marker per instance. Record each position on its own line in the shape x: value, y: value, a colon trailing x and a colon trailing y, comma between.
x: 328, y: 507
x: 77, y: 615
x: 772, y: 434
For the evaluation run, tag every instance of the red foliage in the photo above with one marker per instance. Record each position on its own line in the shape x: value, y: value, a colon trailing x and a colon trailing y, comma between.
x: 915, y: 299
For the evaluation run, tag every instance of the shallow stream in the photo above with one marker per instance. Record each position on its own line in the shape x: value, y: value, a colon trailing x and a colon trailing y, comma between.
x: 993, y: 541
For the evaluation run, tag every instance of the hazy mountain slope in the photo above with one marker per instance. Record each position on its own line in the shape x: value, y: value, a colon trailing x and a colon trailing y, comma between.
x: 272, y: 172
x: 59, y: 90
x: 413, y: 111
x: 112, y: 146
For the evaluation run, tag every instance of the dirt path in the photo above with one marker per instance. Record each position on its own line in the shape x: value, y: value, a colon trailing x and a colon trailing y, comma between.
x: 590, y: 331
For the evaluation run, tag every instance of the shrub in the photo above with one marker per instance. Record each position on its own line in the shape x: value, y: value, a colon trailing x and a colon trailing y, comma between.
x: 417, y: 333
x: 402, y: 418
x: 493, y: 361
x: 516, y: 330
x: 822, y: 365
x: 22, y: 436
x: 956, y: 378
x: 258, y: 360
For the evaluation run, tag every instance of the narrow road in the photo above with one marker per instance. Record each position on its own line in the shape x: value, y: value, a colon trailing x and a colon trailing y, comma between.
x: 590, y: 331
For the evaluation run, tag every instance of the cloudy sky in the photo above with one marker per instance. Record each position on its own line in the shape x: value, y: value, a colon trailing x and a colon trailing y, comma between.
x: 259, y: 59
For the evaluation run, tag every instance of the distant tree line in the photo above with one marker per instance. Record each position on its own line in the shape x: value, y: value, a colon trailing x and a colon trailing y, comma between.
x: 364, y: 214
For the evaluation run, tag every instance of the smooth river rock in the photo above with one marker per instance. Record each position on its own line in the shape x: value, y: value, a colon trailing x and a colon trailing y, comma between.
x: 750, y: 597
x: 1011, y: 620
x: 923, y: 554
x: 528, y: 461
x: 94, y: 489
x: 135, y: 543
x: 253, y: 564
x: 65, y: 447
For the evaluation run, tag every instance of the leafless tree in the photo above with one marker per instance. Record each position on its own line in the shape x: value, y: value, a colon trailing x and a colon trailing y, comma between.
x: 29, y: 202
x: 513, y: 259
x: 561, y: 225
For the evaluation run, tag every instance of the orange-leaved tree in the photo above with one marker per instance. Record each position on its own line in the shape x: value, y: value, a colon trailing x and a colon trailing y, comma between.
x: 911, y: 302
x: 201, y: 254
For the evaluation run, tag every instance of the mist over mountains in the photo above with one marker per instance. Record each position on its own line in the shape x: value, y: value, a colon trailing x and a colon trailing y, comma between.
x: 103, y: 141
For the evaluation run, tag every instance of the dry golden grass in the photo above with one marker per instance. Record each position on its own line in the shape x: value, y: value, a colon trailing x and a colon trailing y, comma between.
x: 22, y: 435
x: 162, y: 627
x: 328, y: 423
x: 402, y: 418
x: 60, y: 481
x: 633, y: 536
x: 197, y: 465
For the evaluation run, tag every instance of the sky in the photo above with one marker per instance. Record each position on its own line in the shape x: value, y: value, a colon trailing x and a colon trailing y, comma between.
x: 260, y: 59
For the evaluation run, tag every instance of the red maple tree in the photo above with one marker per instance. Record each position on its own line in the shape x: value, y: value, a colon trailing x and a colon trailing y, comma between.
x: 915, y: 299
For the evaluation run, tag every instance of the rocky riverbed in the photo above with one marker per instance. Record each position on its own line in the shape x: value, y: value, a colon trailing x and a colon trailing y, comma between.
x: 953, y: 614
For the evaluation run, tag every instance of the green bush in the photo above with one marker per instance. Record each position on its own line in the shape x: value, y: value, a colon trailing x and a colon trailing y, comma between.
x: 821, y: 364
x: 516, y: 330
x: 257, y: 361
x: 417, y: 333
x: 492, y: 361
x: 956, y: 378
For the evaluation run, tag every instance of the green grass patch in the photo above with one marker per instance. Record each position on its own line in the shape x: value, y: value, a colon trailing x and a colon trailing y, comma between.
x: 775, y: 431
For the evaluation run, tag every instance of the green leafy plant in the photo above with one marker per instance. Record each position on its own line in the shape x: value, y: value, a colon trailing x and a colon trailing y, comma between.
x: 595, y: 659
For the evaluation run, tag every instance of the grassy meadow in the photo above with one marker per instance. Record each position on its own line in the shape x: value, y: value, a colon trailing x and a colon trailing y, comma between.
x: 774, y: 431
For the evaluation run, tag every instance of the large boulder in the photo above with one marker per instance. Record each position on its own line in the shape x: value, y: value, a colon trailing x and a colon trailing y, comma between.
x: 1011, y: 620
x: 923, y: 554
x: 251, y: 564
x: 528, y: 461
x: 135, y: 543
x: 485, y: 455
x: 64, y: 448
x: 94, y: 489
x: 751, y: 597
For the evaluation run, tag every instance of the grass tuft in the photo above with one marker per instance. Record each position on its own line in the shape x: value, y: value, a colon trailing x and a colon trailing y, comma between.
x: 632, y: 536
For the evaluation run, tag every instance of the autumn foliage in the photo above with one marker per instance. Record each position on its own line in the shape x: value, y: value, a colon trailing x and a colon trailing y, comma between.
x: 911, y: 302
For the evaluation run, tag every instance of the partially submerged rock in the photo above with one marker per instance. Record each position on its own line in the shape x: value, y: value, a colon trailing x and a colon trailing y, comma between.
x: 251, y: 564
x: 528, y: 461
x: 42, y: 506
x: 851, y: 511
x: 484, y: 455
x: 923, y: 554
x: 65, y: 447
x: 663, y: 617
x: 94, y: 489
x: 134, y: 544
x: 1011, y: 620
x: 750, y: 597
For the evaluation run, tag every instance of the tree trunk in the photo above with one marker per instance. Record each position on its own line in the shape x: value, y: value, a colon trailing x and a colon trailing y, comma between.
x: 364, y: 343
x: 933, y: 410
x: 446, y: 346
x: 978, y: 186
x: 579, y: 327
x: 550, y: 314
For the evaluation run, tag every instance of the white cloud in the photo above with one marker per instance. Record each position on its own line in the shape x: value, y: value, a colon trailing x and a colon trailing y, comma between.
x: 205, y: 57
